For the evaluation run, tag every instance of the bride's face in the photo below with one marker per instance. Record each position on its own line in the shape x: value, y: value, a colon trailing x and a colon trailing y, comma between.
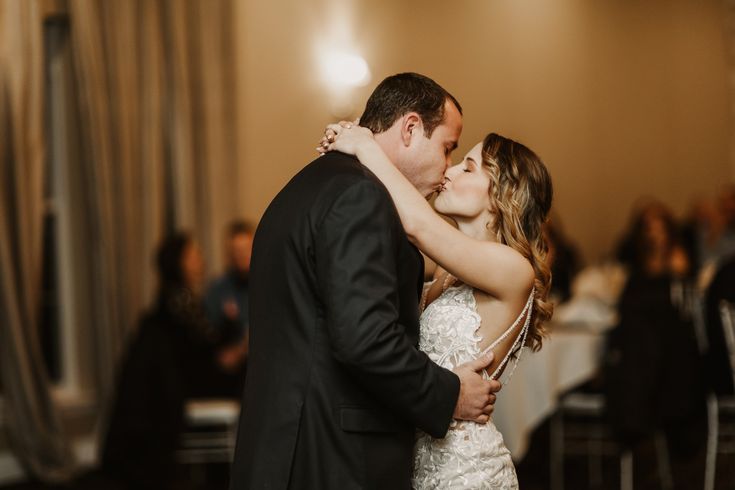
x: 465, y: 193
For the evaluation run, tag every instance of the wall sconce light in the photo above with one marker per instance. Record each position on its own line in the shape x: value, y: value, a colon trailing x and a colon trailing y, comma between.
x: 344, y: 70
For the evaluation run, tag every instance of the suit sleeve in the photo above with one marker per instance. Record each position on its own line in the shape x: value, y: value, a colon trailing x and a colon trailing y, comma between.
x: 356, y: 268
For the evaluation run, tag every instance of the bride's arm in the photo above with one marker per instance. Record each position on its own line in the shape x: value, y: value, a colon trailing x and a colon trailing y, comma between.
x: 494, y: 268
x: 429, y: 267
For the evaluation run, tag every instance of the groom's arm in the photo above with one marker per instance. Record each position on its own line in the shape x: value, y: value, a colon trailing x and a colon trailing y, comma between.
x: 356, y: 268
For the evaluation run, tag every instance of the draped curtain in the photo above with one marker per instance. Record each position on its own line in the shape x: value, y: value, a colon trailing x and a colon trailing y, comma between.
x: 155, y: 81
x: 31, y: 419
x: 155, y: 88
x: 120, y: 86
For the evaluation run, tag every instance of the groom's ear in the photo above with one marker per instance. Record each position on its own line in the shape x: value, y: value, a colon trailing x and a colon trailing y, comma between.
x: 410, y: 125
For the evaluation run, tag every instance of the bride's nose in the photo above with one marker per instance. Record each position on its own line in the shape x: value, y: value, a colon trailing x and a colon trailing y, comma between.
x: 450, y: 172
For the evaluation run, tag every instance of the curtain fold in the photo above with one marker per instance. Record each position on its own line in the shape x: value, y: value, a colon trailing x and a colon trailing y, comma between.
x: 157, y: 126
x: 118, y: 65
x: 154, y: 80
x: 201, y: 85
x: 32, y: 421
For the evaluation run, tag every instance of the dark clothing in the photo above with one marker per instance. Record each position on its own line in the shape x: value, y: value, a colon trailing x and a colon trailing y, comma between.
x: 691, y: 238
x: 168, y: 361
x: 626, y: 252
x: 653, y: 369
x: 565, y: 266
x: 336, y: 385
x: 231, y: 287
x: 721, y: 288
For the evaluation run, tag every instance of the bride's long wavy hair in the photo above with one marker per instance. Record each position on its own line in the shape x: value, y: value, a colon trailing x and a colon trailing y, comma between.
x: 520, y: 199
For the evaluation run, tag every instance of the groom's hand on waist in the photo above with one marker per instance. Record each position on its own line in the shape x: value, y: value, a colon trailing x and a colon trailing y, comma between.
x: 476, y: 399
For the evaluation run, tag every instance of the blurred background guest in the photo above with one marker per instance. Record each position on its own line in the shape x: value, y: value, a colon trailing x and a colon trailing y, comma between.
x: 563, y: 258
x: 701, y: 230
x: 709, y: 232
x: 725, y: 245
x: 652, y: 247
x: 653, y: 372
x: 226, y: 304
x: 169, y: 360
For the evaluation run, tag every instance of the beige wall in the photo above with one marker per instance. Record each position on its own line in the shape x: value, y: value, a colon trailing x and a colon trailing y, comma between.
x: 620, y: 98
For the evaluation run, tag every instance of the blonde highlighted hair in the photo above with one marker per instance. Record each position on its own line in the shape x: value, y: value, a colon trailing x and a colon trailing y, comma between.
x: 520, y: 196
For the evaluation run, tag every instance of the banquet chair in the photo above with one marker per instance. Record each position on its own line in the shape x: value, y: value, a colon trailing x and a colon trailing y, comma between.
x: 578, y: 427
x: 721, y: 408
x: 210, y: 431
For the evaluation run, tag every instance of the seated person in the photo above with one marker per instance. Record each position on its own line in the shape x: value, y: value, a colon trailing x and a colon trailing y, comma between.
x: 226, y: 305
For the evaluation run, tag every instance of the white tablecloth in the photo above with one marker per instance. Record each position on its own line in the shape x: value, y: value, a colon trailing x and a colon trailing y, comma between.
x: 568, y: 357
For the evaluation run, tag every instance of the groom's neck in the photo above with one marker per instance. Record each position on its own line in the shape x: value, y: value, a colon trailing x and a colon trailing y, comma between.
x: 390, y: 142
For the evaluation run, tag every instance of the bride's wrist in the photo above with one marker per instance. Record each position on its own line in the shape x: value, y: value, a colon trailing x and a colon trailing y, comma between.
x: 365, y: 148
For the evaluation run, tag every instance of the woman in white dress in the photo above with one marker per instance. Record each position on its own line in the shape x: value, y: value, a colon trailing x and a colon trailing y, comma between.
x: 490, y: 285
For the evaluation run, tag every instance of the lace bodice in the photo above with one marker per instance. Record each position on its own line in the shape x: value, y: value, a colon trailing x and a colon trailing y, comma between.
x: 471, y: 456
x: 449, y: 328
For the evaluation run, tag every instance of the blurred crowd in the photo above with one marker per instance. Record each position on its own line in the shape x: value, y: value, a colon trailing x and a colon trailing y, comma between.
x: 191, y: 344
x: 658, y: 366
x: 678, y: 273
x: 666, y: 351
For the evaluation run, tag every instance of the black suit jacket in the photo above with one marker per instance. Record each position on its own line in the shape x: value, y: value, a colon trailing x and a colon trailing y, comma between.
x: 336, y: 385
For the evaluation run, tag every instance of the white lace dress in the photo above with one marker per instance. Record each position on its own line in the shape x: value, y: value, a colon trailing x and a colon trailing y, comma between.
x: 471, y: 456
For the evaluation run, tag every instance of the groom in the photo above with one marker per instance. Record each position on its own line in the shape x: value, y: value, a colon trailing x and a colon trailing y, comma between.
x: 336, y: 385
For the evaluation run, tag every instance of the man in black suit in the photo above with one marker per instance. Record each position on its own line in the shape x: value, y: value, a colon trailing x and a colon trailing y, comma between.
x: 336, y: 385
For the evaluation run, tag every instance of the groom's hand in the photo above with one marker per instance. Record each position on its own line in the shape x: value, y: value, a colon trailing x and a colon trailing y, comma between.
x: 476, y: 399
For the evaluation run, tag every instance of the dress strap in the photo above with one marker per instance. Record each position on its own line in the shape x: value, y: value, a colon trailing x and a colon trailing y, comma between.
x: 425, y: 294
x: 520, y: 340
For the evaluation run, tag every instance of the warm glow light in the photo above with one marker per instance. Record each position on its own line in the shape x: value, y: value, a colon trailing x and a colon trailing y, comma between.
x: 345, y: 69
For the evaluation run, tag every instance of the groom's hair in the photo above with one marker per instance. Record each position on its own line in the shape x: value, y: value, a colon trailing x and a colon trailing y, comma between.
x: 400, y: 94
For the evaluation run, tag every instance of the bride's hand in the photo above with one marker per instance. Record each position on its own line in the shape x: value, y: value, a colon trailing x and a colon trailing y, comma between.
x: 346, y: 137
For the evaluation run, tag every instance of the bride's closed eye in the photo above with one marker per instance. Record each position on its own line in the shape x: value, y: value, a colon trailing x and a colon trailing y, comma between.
x: 469, y: 164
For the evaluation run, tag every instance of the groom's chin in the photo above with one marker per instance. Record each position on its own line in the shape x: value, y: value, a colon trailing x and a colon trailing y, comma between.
x: 433, y: 194
x: 430, y: 192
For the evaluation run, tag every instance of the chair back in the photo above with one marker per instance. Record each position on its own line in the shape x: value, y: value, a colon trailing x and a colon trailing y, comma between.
x: 695, y: 308
x: 727, y: 315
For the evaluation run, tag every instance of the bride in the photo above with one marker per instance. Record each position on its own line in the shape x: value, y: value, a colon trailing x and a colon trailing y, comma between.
x: 490, y: 285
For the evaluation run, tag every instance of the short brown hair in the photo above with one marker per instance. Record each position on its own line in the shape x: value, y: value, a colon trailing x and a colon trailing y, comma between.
x: 400, y: 94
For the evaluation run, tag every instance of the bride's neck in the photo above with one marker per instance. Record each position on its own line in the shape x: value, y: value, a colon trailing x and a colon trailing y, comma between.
x: 477, y: 228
